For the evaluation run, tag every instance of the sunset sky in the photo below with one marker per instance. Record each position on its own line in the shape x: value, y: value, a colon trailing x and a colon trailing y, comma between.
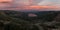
x: 30, y: 4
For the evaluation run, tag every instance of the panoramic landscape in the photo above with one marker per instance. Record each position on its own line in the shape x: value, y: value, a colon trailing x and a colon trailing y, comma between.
x: 29, y: 20
x: 29, y: 14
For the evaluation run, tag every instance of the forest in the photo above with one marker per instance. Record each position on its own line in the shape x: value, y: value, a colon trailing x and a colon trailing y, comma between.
x: 17, y: 20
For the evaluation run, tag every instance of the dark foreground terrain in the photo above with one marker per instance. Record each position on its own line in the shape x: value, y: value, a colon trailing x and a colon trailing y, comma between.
x: 17, y: 20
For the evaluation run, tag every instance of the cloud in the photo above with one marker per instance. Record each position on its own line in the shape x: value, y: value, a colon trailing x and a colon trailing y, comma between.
x: 21, y: 2
x: 31, y: 4
x: 13, y: 3
x: 50, y: 2
x: 34, y: 2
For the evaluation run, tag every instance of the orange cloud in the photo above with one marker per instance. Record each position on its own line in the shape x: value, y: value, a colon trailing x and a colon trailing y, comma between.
x: 5, y: 1
x: 35, y: 8
x: 39, y: 7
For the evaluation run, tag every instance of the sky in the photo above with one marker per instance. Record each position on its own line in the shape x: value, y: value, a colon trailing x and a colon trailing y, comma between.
x: 29, y: 4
